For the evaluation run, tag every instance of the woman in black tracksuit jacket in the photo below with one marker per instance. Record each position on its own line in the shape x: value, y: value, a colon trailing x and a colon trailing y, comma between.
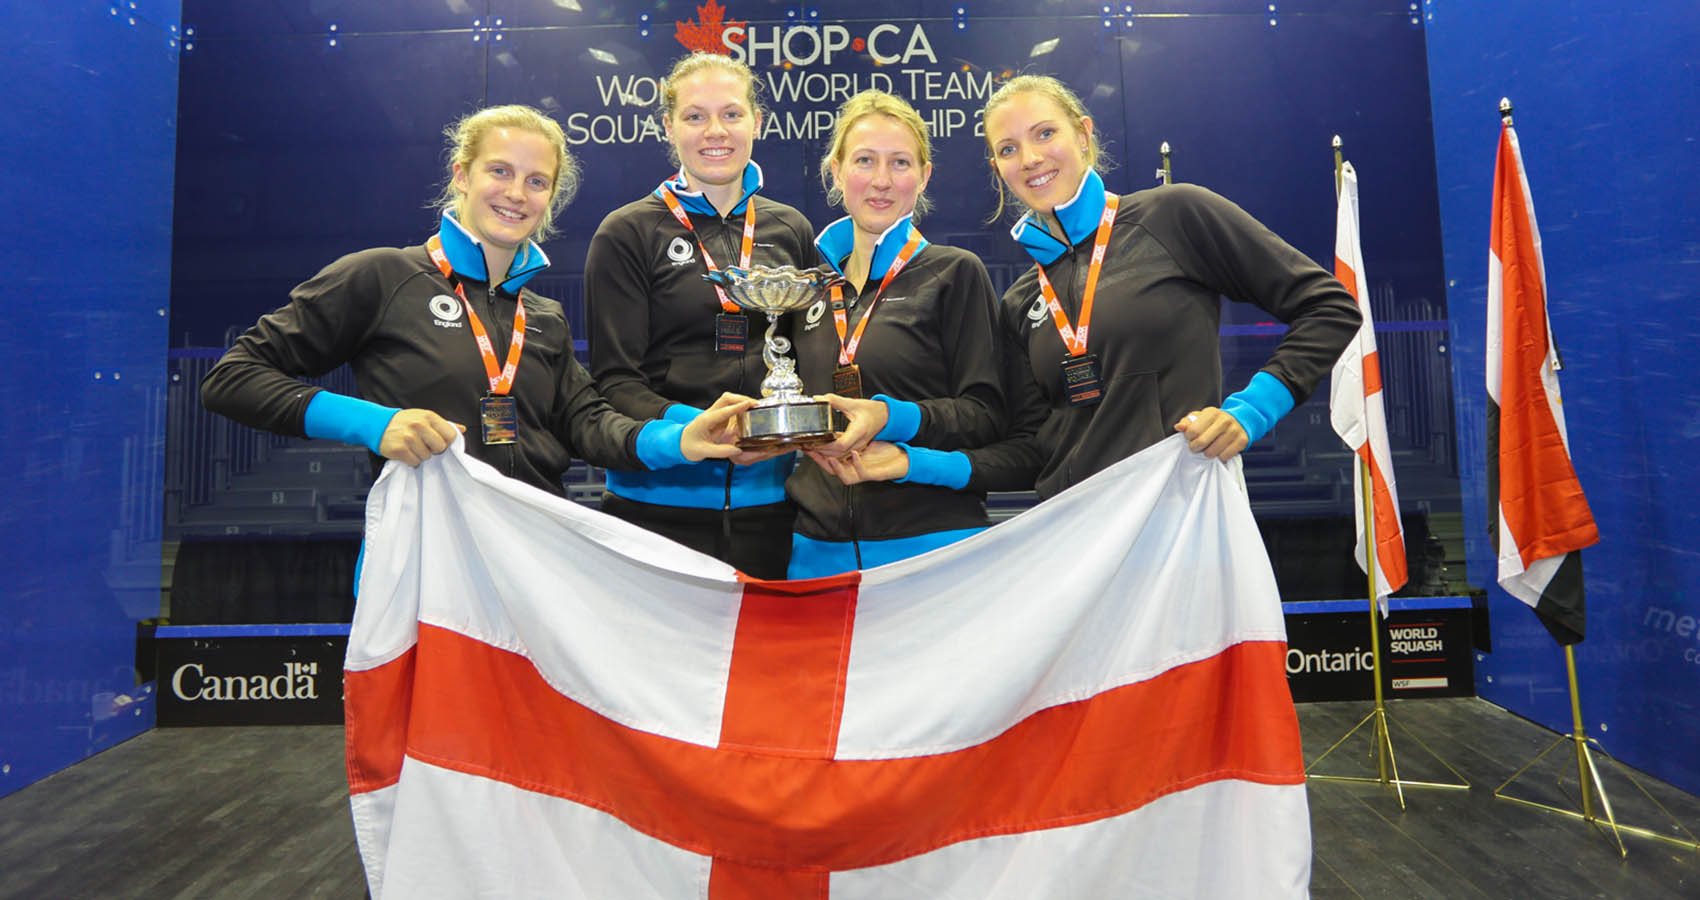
x: 915, y: 327
x: 663, y: 343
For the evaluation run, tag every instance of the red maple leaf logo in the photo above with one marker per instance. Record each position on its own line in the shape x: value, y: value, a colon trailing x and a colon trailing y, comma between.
x: 705, y: 33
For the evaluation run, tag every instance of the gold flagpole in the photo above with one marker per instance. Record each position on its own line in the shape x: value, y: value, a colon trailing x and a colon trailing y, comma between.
x: 1386, y: 764
x: 1164, y: 175
x: 1588, y: 778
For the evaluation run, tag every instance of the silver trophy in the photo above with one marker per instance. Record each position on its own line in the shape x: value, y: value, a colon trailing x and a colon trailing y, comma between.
x: 785, y: 415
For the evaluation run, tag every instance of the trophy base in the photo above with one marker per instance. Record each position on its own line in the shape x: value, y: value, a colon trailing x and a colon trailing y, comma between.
x: 786, y: 425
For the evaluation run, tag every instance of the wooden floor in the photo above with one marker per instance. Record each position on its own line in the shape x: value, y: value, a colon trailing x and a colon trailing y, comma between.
x: 263, y: 812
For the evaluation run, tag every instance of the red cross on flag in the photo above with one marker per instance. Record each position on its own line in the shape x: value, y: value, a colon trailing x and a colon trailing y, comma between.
x: 1356, y: 410
x: 1086, y: 701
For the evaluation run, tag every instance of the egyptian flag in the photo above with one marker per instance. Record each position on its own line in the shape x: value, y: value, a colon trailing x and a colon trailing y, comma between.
x: 1533, y: 494
x: 1086, y: 701
x: 1356, y: 410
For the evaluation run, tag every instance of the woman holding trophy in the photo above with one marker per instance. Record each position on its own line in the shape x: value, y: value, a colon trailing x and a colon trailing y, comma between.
x: 664, y: 342
x: 912, y: 331
x: 1095, y: 383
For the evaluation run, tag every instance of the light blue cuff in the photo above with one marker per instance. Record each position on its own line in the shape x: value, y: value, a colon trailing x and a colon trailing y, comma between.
x: 339, y: 417
x: 949, y: 469
x: 902, y: 419
x: 659, y: 444
x: 681, y: 413
x: 1260, y: 405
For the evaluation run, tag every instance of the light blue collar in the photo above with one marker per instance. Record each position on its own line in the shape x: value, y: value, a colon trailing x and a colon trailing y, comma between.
x: 697, y: 203
x: 836, y: 241
x: 1079, y: 217
x: 466, y: 255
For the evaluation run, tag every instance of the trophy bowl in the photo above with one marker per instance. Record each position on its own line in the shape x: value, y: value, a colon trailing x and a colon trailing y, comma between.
x: 785, y: 417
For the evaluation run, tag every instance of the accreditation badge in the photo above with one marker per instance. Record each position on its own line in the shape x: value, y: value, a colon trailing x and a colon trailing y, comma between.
x: 500, y: 416
x: 847, y: 381
x: 1081, y: 381
x: 731, y: 333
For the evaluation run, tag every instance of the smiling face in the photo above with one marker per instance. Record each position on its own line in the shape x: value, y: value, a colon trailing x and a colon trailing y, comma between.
x: 879, y: 172
x: 712, y: 127
x: 1038, y: 149
x: 505, y: 190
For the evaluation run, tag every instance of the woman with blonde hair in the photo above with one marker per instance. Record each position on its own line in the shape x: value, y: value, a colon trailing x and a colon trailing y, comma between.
x: 912, y: 332
x: 663, y: 342
x: 1113, y: 334
x: 444, y: 337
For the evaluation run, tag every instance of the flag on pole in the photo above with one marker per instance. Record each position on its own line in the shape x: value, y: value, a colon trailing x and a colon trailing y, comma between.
x: 1087, y: 701
x: 1356, y: 410
x: 1543, y: 519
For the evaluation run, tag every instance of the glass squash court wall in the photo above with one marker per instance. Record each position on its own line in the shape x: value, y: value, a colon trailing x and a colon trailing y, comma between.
x: 90, y: 156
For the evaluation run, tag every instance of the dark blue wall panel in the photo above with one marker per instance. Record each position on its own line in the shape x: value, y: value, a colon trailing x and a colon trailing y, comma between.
x: 87, y: 252
x: 293, y: 152
x: 1606, y: 105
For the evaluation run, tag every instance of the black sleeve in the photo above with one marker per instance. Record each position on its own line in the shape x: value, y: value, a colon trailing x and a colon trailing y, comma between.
x: 588, y: 424
x: 323, y: 326
x: 616, y: 295
x: 1222, y: 247
x: 1014, y: 462
x: 972, y: 414
x: 808, y: 255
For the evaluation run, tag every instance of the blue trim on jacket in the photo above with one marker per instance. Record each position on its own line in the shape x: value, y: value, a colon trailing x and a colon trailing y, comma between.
x: 838, y: 240
x: 1257, y: 408
x: 466, y: 254
x: 339, y: 417
x: 702, y: 485
x: 659, y: 444
x: 945, y: 468
x: 816, y: 559
x: 1078, y: 216
x: 902, y: 419
x: 695, y: 202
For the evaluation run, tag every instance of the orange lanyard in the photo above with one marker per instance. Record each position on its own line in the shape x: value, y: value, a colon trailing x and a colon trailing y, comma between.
x: 744, y: 253
x: 1074, y: 340
x: 847, y: 351
x: 500, y: 381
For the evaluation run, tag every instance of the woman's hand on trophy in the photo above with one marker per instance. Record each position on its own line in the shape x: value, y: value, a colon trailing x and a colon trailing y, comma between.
x: 866, y: 418
x: 879, y: 461
x: 714, y: 433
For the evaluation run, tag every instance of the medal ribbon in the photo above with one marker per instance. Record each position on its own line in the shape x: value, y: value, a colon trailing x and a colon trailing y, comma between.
x: 500, y: 381
x: 1074, y: 340
x: 679, y: 213
x: 841, y: 320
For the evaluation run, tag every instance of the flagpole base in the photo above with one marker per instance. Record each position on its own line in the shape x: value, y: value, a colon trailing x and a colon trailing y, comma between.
x: 1387, y: 764
x: 1593, y: 790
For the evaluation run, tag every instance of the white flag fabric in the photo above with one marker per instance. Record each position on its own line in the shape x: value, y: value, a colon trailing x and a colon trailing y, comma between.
x: 1086, y: 701
x: 1543, y: 518
x: 1356, y: 409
